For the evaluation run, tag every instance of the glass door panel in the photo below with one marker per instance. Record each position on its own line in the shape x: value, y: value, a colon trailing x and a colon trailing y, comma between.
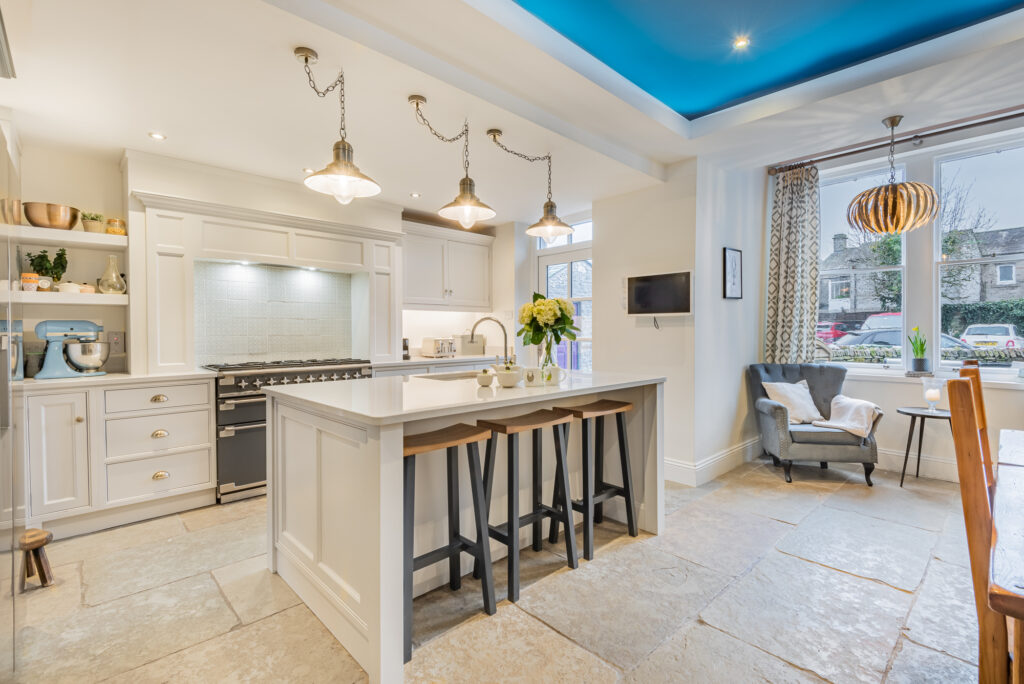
x: 570, y: 275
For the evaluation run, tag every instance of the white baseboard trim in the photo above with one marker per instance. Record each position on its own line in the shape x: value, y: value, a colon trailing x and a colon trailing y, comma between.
x: 934, y: 467
x: 713, y: 466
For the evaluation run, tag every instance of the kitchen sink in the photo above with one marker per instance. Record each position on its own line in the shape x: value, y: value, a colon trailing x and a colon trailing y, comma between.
x: 455, y: 375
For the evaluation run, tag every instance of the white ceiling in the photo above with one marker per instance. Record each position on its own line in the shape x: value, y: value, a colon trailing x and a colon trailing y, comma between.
x: 219, y: 79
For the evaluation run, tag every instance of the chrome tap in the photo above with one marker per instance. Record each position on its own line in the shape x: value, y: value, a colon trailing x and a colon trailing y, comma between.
x: 504, y: 336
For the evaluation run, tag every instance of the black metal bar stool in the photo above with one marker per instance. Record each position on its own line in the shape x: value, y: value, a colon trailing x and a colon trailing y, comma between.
x: 508, y: 533
x: 449, y: 438
x: 595, y: 490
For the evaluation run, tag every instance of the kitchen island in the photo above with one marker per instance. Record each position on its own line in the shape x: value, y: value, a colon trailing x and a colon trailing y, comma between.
x: 334, y: 480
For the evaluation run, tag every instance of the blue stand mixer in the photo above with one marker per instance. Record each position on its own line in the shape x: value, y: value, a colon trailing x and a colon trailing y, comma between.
x: 56, y: 333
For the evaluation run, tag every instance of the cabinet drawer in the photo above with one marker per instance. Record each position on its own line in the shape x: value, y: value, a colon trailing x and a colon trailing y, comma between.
x: 154, y: 433
x: 166, y: 396
x: 133, y: 479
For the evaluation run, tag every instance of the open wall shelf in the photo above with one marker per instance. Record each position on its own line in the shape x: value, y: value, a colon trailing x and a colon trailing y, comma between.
x: 30, y: 235
x: 19, y: 297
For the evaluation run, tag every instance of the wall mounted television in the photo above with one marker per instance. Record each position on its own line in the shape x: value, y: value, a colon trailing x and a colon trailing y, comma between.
x: 666, y: 294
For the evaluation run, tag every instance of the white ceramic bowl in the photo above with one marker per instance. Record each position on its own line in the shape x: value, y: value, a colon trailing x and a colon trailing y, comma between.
x: 510, y: 378
x: 484, y: 379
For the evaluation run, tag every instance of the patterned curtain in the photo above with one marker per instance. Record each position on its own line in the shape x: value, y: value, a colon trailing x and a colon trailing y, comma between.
x: 792, y: 307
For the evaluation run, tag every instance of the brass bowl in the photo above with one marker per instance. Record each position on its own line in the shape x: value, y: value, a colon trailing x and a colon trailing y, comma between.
x: 43, y: 215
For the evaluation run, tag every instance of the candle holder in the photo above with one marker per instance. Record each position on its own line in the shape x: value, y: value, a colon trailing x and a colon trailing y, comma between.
x: 933, y: 391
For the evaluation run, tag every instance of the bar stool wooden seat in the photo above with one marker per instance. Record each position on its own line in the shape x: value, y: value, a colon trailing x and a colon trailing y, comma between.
x: 450, y: 439
x: 32, y: 542
x: 508, y: 533
x: 595, y: 490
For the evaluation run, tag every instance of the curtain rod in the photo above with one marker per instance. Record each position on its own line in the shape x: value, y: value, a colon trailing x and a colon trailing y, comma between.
x: 883, y: 145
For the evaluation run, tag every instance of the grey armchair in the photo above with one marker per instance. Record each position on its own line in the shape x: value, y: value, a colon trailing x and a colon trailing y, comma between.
x: 786, y: 443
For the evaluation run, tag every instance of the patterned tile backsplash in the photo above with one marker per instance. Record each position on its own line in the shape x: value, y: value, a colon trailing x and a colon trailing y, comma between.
x: 259, y: 312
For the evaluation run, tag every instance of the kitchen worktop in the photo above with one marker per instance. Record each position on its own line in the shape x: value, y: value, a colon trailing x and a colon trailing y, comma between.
x: 417, y: 360
x: 399, y: 399
x: 88, y: 380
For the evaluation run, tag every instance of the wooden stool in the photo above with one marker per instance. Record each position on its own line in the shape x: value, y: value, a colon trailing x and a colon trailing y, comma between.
x: 32, y: 542
x: 508, y: 534
x: 595, y: 490
x: 449, y: 438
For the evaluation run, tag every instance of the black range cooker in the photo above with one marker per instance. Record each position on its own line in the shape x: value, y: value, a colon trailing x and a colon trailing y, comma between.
x: 242, y: 415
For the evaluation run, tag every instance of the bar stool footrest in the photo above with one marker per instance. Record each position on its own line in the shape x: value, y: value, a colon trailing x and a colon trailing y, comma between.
x: 443, y: 553
x: 500, y: 532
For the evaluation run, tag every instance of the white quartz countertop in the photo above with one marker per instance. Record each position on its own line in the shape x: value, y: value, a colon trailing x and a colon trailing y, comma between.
x: 400, y: 399
x: 88, y: 380
x: 417, y: 360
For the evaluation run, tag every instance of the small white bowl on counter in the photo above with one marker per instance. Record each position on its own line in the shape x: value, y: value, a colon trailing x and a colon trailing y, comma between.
x: 510, y: 377
x: 485, y: 377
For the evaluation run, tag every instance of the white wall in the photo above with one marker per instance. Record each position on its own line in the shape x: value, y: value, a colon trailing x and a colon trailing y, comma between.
x: 728, y: 332
x: 85, y: 179
x: 643, y: 232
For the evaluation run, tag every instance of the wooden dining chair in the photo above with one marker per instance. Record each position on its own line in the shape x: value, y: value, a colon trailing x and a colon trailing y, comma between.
x: 975, y: 495
x: 973, y: 373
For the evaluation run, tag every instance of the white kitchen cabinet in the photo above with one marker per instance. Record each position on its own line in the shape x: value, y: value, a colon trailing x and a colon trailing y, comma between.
x: 446, y: 269
x: 58, y: 442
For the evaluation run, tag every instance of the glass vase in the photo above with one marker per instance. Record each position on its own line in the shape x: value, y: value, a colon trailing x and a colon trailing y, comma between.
x: 548, y: 351
x: 111, y: 281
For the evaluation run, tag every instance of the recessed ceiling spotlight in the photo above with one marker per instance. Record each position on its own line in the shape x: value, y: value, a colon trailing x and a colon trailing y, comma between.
x: 157, y: 136
x: 741, y: 42
x: 414, y: 195
x: 307, y: 170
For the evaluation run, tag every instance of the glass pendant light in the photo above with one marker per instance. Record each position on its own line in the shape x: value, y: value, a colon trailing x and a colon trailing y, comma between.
x: 466, y: 208
x: 893, y: 208
x: 550, y: 227
x: 341, y: 178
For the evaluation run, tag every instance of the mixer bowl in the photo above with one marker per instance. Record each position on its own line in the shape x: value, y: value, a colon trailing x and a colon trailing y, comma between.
x: 87, y: 357
x: 43, y: 215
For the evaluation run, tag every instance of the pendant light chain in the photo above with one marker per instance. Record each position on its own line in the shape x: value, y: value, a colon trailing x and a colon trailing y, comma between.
x: 527, y: 157
x: 462, y: 135
x: 338, y: 83
x: 892, y: 156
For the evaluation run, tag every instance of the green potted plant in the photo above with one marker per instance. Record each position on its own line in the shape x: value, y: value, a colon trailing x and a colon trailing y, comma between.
x: 93, y: 222
x: 50, y: 272
x: 919, y: 347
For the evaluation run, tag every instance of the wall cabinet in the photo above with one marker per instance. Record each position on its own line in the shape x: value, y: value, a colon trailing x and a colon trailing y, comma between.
x: 446, y: 269
x: 58, y: 444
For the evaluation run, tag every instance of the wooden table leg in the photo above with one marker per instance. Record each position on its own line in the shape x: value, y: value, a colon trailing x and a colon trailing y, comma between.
x: 906, y: 454
x: 920, y: 441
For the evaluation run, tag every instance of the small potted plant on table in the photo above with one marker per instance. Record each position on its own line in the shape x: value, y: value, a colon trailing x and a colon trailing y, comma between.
x: 919, y: 346
x: 50, y: 272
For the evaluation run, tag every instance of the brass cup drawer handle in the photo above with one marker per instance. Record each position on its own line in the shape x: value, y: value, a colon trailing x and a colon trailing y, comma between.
x: 158, y: 398
x: 159, y: 434
x: 161, y: 475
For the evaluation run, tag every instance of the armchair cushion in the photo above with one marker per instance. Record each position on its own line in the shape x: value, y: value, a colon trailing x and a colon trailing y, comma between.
x: 812, y: 434
x: 796, y: 397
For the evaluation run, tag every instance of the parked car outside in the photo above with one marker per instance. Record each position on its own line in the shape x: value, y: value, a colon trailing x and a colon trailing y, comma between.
x: 990, y: 335
x: 883, y: 320
x: 830, y: 331
x: 892, y: 337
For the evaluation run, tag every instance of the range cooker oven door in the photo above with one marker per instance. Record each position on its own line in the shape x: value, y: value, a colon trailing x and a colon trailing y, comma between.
x: 241, y: 410
x: 241, y: 461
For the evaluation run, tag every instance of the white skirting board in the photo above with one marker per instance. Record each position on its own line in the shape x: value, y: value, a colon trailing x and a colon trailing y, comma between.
x: 716, y: 465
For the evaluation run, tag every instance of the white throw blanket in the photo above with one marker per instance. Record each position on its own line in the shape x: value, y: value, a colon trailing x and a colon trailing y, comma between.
x: 855, y: 416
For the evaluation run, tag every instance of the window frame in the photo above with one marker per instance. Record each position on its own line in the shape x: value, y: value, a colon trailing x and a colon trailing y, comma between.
x: 1012, y: 280
x: 568, y: 254
x: 877, y: 165
x: 538, y: 243
x: 963, y: 149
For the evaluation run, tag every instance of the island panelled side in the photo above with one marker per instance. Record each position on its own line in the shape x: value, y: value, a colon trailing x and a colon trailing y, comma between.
x: 335, y: 488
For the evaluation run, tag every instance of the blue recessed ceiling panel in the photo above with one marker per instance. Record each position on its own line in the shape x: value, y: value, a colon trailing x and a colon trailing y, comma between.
x: 680, y: 51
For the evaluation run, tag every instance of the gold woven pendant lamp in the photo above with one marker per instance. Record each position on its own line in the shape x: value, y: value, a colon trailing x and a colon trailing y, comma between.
x: 893, y: 208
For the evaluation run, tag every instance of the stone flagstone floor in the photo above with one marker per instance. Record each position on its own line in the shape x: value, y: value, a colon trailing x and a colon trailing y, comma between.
x: 753, y: 580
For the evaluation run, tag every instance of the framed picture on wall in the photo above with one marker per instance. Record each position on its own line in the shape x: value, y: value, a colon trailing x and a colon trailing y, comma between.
x: 732, y: 273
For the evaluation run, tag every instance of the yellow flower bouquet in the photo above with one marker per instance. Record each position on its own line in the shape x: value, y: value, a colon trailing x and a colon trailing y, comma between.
x: 547, y: 321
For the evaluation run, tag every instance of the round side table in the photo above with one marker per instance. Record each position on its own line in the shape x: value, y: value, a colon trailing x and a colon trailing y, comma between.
x: 924, y: 414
